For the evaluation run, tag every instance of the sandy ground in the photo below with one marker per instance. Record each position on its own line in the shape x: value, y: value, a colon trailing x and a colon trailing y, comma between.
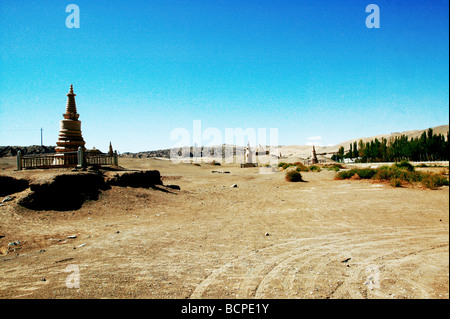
x: 266, y: 238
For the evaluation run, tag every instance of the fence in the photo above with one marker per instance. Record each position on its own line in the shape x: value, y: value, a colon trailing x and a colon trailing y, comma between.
x: 319, y: 161
x: 68, y: 159
x: 100, y: 159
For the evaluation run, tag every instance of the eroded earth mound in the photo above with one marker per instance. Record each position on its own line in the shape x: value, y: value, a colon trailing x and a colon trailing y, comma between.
x: 69, y: 190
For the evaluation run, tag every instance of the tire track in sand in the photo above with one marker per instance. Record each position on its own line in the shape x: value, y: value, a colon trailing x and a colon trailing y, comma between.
x: 315, y: 265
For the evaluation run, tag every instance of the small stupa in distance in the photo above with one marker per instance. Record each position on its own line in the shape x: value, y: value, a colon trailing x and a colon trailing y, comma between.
x: 314, y: 156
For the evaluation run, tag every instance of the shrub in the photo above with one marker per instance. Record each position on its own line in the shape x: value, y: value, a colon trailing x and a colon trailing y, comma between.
x: 433, y: 181
x: 396, y: 182
x: 404, y: 165
x: 415, y: 177
x: 314, y: 168
x: 366, y: 173
x: 346, y: 174
x: 396, y: 175
x: 384, y: 173
x: 334, y: 167
x: 285, y: 165
x: 302, y: 168
x: 299, y: 166
x: 293, y: 176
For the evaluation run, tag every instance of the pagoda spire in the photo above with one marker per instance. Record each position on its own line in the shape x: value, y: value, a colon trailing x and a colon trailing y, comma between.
x: 71, y: 107
x: 110, y: 151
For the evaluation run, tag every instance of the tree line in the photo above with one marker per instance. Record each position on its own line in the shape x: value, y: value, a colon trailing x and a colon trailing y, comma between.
x: 427, y: 147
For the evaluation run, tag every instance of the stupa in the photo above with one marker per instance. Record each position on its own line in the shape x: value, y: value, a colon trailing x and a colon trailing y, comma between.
x: 314, y: 156
x: 70, y: 138
x: 110, y: 151
x: 248, y: 154
x: 248, y: 158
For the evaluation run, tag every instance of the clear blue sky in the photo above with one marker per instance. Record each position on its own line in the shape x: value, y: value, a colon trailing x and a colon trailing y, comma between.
x: 141, y: 68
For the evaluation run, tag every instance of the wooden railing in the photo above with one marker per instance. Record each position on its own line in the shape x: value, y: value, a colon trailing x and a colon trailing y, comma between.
x: 69, y: 159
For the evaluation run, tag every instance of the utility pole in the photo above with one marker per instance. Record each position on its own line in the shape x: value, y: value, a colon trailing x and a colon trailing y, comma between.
x: 41, y: 137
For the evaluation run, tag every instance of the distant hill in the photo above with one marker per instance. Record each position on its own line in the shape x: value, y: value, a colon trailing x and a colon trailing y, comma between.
x: 290, y: 151
x: 165, y: 153
x: 301, y: 151
x: 442, y: 129
x: 25, y: 150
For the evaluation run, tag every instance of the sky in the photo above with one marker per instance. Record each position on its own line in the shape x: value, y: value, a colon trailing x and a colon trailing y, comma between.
x: 143, y: 69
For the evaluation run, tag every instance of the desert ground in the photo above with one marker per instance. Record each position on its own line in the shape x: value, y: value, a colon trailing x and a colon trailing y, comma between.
x: 265, y: 238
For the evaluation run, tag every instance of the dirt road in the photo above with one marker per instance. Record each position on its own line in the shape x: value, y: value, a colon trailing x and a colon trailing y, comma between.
x: 265, y: 238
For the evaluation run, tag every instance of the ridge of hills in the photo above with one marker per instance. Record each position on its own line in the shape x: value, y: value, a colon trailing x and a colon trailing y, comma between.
x: 298, y: 151
x: 287, y: 151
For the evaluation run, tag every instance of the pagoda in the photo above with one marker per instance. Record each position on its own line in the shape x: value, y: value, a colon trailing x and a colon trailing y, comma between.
x: 70, y: 138
x: 110, y: 151
x: 314, y: 156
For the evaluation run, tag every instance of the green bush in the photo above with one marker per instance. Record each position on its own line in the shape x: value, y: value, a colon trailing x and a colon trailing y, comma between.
x: 293, y: 176
x: 334, y: 167
x: 346, y: 174
x: 314, y: 168
x: 366, y: 173
x: 404, y: 165
x: 299, y: 167
x: 396, y: 175
x: 415, y: 177
x: 396, y: 182
x: 433, y: 181
x: 285, y: 165
x: 384, y: 174
x: 302, y: 168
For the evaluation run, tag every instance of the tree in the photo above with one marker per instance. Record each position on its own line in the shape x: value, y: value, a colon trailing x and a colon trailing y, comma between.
x: 355, y: 150
x: 341, y: 153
